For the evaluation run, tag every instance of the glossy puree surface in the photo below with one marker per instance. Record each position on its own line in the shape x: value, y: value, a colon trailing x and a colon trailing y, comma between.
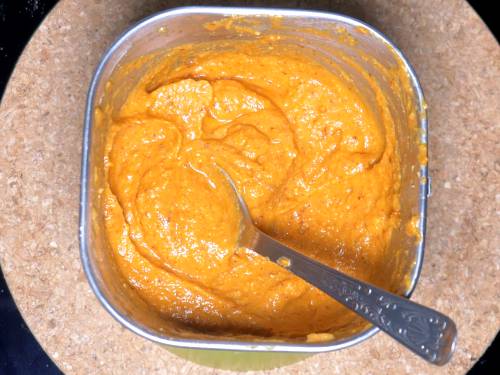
x: 317, y: 167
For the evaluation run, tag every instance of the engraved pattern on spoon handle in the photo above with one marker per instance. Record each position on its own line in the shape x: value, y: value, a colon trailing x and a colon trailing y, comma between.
x: 425, y: 331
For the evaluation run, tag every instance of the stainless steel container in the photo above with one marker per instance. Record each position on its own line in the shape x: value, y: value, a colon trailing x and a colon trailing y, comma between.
x: 185, y: 25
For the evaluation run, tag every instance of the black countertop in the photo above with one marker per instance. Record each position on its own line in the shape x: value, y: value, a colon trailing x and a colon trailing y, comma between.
x: 20, y: 353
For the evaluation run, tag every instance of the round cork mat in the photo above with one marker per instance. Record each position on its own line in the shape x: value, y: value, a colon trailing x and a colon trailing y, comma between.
x: 41, y: 117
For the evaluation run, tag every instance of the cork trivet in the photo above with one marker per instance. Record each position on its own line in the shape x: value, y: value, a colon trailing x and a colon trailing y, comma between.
x: 41, y: 117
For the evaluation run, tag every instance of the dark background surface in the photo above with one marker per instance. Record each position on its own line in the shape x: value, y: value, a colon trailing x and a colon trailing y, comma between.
x: 20, y: 354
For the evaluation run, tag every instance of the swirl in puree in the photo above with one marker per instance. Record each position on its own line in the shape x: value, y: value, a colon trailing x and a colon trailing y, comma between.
x: 317, y: 167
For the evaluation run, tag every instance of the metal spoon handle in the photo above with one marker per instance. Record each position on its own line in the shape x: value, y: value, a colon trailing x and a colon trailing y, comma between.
x: 426, y: 332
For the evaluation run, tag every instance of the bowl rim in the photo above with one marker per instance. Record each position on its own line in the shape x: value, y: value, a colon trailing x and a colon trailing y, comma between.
x: 424, y: 185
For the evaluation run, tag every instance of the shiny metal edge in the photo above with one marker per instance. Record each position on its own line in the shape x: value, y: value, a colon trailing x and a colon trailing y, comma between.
x: 84, y: 183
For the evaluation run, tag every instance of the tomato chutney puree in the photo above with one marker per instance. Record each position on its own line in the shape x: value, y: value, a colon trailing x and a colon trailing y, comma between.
x: 318, y: 168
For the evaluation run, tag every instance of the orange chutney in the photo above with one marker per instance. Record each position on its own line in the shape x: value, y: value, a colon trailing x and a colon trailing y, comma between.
x: 317, y: 168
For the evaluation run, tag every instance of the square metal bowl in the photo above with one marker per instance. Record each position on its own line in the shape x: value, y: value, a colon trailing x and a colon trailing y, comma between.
x: 170, y: 28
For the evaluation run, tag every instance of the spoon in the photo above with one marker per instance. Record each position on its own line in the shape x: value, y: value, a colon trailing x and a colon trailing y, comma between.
x: 425, y: 331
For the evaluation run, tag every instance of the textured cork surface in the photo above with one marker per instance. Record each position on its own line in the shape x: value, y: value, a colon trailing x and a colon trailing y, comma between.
x: 41, y: 116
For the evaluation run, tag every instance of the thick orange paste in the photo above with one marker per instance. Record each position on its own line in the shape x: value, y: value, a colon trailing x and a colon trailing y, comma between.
x: 317, y: 168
